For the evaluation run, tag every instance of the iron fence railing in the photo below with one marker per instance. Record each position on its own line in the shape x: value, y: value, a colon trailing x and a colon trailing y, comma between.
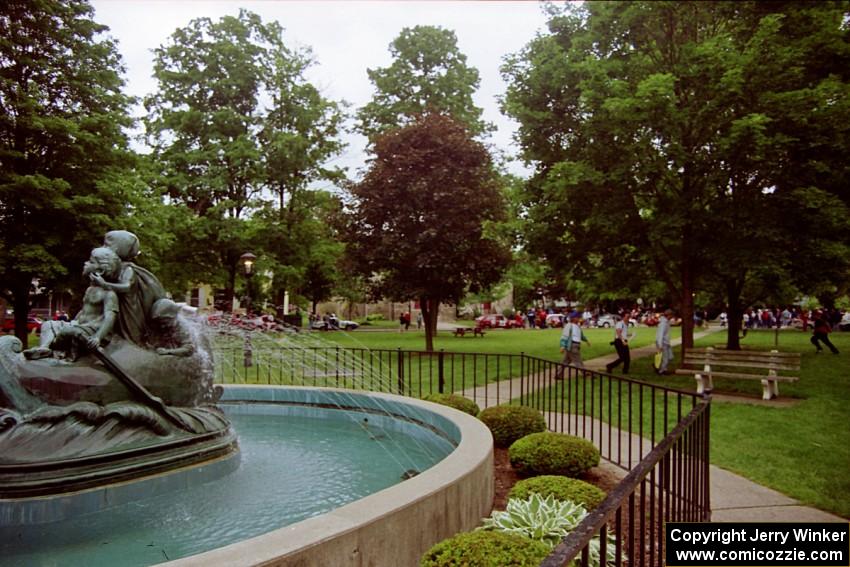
x: 670, y: 484
x: 660, y: 435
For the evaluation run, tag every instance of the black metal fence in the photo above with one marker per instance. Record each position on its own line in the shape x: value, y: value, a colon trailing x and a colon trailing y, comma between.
x: 659, y: 435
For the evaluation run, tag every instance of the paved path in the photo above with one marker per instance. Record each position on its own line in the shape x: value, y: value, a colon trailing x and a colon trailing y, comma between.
x: 486, y: 396
x: 733, y: 497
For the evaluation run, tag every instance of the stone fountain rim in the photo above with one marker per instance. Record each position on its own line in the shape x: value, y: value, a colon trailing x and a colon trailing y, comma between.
x: 327, y: 538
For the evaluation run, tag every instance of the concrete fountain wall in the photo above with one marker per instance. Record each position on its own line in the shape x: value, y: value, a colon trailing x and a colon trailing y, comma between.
x: 393, y: 527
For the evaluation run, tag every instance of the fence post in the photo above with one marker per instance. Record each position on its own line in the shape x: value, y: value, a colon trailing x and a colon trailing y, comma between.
x: 400, y: 371
x: 441, y: 377
x: 247, y: 352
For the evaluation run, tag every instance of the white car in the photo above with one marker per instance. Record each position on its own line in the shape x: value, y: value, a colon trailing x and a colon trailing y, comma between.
x: 336, y: 324
x: 608, y: 320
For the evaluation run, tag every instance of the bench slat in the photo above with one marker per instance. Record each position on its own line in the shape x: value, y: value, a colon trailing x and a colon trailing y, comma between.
x: 740, y: 363
x: 739, y: 375
x: 724, y: 352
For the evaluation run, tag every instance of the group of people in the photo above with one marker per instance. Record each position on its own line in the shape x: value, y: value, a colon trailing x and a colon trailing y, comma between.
x: 572, y: 337
x: 404, y: 321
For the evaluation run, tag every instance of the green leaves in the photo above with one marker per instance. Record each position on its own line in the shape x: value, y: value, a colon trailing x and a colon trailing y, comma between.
x: 662, y: 132
x: 62, y: 142
x: 546, y: 520
x: 541, y: 519
x: 241, y: 136
x: 428, y: 74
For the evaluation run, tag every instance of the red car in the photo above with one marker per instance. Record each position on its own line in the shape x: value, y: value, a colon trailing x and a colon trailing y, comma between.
x: 33, y: 324
x: 496, y: 322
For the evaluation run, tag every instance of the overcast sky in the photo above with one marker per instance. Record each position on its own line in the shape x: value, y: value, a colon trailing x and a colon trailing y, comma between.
x: 346, y: 38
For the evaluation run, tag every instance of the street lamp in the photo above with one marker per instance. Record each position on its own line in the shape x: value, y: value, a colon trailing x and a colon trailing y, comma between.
x: 247, y: 260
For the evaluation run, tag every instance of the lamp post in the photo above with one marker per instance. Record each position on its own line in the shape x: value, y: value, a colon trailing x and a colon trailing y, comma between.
x: 247, y: 260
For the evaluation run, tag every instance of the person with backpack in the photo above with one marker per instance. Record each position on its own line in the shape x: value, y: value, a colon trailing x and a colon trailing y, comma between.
x: 571, y: 339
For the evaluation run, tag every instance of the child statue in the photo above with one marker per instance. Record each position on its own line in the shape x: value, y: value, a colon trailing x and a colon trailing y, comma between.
x: 93, y: 325
x: 137, y: 288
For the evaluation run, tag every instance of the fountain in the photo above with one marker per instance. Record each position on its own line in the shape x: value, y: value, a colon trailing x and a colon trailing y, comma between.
x: 116, y: 448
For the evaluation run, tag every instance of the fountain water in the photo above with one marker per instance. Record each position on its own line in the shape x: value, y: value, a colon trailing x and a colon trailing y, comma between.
x: 149, y: 459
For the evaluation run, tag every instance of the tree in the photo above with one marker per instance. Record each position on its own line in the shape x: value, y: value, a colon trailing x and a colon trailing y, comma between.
x: 222, y: 151
x: 301, y: 247
x: 416, y: 226
x: 663, y: 135
x: 428, y: 73
x: 62, y: 145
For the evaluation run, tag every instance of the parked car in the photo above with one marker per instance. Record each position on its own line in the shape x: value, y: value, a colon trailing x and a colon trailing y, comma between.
x: 609, y: 320
x: 336, y: 325
x: 555, y: 320
x: 33, y: 324
x: 496, y: 322
x: 844, y: 324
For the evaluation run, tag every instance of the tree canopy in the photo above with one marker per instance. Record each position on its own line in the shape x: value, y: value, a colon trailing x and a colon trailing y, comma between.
x: 680, y: 141
x: 63, y: 148
x: 416, y: 226
x: 428, y: 73
x: 236, y: 128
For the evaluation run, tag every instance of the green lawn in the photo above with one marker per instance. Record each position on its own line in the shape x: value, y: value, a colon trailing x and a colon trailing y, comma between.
x: 540, y: 343
x: 802, y: 450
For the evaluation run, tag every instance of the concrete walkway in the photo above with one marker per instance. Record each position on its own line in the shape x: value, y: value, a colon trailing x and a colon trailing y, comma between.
x: 486, y: 396
x: 733, y: 497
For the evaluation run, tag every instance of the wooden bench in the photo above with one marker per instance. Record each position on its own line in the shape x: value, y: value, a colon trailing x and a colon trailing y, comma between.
x: 711, y: 358
x: 463, y: 331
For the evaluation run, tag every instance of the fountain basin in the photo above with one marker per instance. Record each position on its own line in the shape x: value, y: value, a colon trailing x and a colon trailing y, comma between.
x: 393, y: 526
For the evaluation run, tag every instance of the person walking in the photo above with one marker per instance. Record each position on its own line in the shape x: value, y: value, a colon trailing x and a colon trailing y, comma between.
x: 530, y: 315
x: 662, y: 342
x: 621, y: 344
x: 822, y: 328
x: 571, y: 338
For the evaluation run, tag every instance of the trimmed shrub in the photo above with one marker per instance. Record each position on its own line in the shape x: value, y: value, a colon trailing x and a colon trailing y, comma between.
x: 561, y: 488
x: 485, y: 549
x: 553, y: 453
x: 509, y: 423
x: 454, y: 401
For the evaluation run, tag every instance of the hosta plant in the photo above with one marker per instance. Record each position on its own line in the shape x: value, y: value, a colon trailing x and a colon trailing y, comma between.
x: 546, y: 520
x: 542, y: 519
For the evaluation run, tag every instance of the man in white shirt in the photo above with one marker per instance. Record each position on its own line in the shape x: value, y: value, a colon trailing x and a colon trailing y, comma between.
x: 662, y: 341
x: 571, y: 338
x: 621, y: 343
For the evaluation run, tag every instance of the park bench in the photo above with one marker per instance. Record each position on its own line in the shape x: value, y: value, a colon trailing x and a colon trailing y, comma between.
x: 744, y: 365
x: 463, y: 331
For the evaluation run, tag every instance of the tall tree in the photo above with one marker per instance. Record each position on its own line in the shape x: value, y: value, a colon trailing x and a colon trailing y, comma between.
x: 417, y: 224
x: 62, y: 144
x: 428, y: 73
x: 222, y: 150
x: 657, y: 137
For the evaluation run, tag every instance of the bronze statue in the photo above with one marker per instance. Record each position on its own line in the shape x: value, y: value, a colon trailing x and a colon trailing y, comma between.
x: 94, y: 323
x: 125, y: 382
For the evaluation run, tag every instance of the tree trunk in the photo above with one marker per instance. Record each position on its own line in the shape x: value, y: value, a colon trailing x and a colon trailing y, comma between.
x: 230, y: 290
x: 734, y: 316
x: 430, y: 309
x: 687, y: 308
